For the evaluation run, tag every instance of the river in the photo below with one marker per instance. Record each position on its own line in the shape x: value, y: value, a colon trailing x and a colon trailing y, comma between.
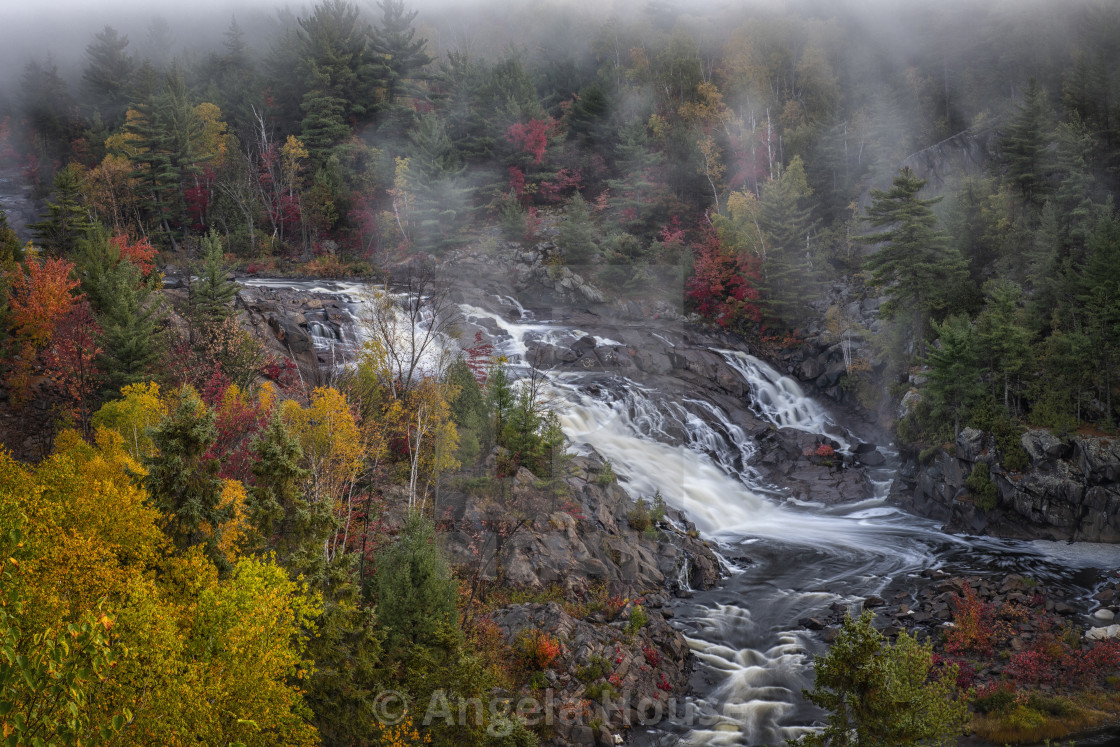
x: 754, y: 659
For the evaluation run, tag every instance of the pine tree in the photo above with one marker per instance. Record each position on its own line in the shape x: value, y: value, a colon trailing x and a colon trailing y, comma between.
x: 1099, y: 293
x: 67, y: 219
x: 129, y: 319
x: 1024, y: 144
x: 441, y: 199
x: 212, y: 293
x: 415, y: 591
x: 108, y: 73
x: 158, y: 178
x: 324, y: 122
x: 1003, y: 340
x: 282, y: 515
x: 183, y: 484
x: 787, y: 275
x: 877, y: 692
x: 394, y: 39
x: 954, y: 381
x: 335, y: 58
x: 468, y: 410
x: 915, y: 262
x: 577, y: 234
x: 46, y: 101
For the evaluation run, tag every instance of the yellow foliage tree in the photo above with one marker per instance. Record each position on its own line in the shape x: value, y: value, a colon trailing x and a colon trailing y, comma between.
x: 134, y: 415
x: 332, y: 450
x: 196, y: 659
x: 214, y: 141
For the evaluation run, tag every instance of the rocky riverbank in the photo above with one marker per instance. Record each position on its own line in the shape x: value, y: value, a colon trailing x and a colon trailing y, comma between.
x: 1067, y: 488
x: 605, y: 571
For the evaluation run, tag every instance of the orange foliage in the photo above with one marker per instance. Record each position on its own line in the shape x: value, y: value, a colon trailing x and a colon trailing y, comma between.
x: 37, y: 301
x: 140, y: 253
x: 40, y: 298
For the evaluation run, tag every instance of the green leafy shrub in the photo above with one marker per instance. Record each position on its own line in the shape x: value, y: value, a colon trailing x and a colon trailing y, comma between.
x: 606, y: 474
x: 639, y: 516
x: 600, y: 691
x: 983, y: 490
x: 639, y: 618
x: 596, y: 668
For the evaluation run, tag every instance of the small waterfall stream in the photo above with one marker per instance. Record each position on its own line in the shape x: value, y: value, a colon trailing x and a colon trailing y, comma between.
x: 754, y: 658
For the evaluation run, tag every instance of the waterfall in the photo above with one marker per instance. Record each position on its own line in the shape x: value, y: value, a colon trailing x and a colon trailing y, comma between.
x: 780, y: 399
x: 799, y: 559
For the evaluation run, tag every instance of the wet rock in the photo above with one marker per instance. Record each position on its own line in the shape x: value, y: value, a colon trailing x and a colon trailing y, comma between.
x: 871, y: 458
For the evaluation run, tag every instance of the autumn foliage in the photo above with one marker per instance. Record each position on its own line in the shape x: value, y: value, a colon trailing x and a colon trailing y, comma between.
x: 723, y: 287
x: 39, y: 299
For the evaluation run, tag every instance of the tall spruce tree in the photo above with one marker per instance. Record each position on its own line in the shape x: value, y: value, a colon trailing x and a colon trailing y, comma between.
x: 394, y: 39
x: 281, y: 513
x: 67, y: 219
x: 954, y: 382
x: 1100, y: 297
x: 787, y: 274
x: 914, y: 262
x: 1024, y: 144
x: 210, y: 296
x: 130, y: 317
x: 108, y: 73
x: 183, y: 484
x: 441, y: 198
x: 415, y: 591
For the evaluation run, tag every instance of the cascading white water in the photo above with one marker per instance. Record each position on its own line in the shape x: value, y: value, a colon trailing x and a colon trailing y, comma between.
x: 745, y: 634
x: 780, y: 399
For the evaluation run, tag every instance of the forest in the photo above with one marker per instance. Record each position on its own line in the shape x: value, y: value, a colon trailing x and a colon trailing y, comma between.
x: 209, y: 547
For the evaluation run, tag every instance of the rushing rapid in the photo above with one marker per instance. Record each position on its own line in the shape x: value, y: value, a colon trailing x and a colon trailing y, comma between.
x: 754, y: 657
x: 786, y: 559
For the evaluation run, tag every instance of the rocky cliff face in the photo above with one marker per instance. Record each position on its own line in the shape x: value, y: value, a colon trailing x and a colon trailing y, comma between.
x: 1069, y: 491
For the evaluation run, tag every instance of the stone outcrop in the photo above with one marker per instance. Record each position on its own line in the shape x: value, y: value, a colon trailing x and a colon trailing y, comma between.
x: 579, y: 535
x: 620, y: 672
x: 1070, y: 489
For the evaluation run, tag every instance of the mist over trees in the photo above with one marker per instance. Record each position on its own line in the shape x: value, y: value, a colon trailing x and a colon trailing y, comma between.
x: 770, y: 155
x: 742, y: 145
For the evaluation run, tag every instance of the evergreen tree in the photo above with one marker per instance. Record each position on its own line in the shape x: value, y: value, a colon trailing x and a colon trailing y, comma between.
x: 46, y: 102
x: 577, y: 233
x: 108, y: 73
x: 159, y: 187
x: 324, y: 122
x: 129, y: 319
x: 211, y: 295
x: 1074, y: 195
x: 787, y: 274
x: 11, y: 254
x: 969, y: 224
x: 1003, y: 340
x: 281, y: 513
x: 394, y: 39
x: 415, y: 591
x: 183, y: 484
x: 915, y: 262
x: 335, y: 58
x: 637, y: 193
x: 67, y: 219
x: 457, y: 87
x: 1057, y: 394
x: 1100, y: 297
x: 1024, y: 144
x: 238, y: 88
x: 468, y: 410
x: 954, y: 381
x: 441, y: 199
x: 878, y: 693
